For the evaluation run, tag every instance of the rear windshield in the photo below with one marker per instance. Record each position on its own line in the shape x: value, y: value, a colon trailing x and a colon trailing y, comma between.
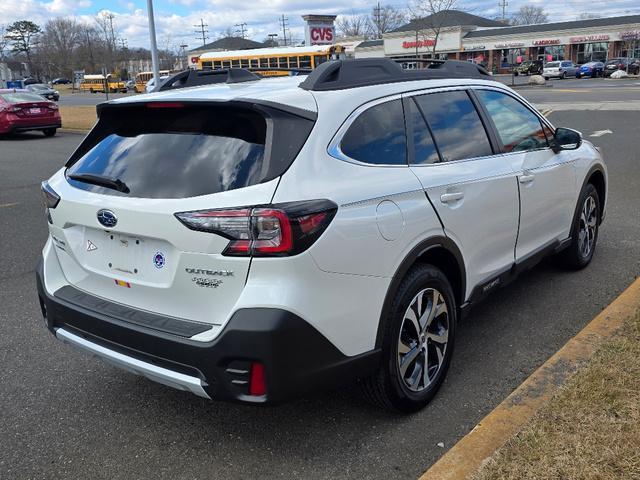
x: 20, y: 97
x: 553, y: 64
x: 188, y: 151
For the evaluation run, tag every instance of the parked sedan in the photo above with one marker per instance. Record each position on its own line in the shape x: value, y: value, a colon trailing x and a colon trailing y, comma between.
x: 22, y: 110
x: 591, y: 69
x: 561, y: 69
x: 44, y: 90
x: 633, y: 65
x: 60, y: 81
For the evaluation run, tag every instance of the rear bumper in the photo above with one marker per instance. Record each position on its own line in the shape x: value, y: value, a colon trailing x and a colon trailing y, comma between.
x: 297, y: 358
x: 27, y: 127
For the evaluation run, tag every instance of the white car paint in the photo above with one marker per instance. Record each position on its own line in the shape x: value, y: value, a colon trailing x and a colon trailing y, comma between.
x: 339, y: 284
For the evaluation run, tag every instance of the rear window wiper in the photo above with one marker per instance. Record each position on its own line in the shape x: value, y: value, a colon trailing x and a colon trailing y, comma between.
x: 102, y: 181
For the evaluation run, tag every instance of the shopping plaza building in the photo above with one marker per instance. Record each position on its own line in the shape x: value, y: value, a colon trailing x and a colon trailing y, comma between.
x: 463, y: 36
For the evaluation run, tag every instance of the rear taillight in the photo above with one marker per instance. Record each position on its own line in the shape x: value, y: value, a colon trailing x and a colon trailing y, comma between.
x: 257, y: 380
x: 51, y: 199
x: 270, y: 231
x: 14, y: 109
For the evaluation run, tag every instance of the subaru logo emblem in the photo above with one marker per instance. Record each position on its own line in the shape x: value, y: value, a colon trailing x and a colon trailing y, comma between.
x: 107, y: 218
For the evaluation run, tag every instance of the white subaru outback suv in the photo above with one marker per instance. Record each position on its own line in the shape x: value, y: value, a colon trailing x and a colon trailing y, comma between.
x: 260, y: 238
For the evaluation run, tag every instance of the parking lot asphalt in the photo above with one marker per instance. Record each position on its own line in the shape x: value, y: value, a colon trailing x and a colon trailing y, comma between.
x: 64, y: 415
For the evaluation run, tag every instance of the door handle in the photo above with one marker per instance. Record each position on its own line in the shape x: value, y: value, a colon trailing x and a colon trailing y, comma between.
x: 451, y: 197
x: 526, y: 178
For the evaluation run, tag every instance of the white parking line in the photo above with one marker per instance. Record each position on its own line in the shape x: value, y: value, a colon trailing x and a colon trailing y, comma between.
x: 3, y: 205
x: 599, y: 133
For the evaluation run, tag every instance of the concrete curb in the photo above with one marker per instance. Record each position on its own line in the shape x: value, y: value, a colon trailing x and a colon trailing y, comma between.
x: 73, y: 130
x: 508, y: 418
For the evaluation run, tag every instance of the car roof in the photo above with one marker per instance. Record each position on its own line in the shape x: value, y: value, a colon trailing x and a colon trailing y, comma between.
x: 14, y: 90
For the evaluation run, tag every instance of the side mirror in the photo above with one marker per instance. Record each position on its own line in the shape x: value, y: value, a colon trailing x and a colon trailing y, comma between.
x: 566, y: 139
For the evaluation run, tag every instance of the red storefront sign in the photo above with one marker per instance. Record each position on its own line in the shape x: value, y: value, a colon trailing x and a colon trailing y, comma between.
x: 547, y: 42
x: 419, y: 44
x: 631, y: 35
x: 194, y: 59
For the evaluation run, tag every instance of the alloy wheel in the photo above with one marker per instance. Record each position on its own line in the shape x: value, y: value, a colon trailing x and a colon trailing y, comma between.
x: 423, y: 339
x: 588, y: 226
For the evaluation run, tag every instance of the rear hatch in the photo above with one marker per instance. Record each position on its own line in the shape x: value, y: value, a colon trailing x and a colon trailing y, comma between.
x: 115, y: 228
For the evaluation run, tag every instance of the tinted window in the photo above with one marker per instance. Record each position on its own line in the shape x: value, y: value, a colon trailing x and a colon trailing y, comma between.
x: 424, y: 150
x: 377, y: 136
x: 456, y: 125
x: 518, y: 127
x: 552, y: 64
x: 189, y: 151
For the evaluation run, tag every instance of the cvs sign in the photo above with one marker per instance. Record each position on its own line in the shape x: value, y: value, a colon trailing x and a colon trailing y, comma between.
x: 321, y: 34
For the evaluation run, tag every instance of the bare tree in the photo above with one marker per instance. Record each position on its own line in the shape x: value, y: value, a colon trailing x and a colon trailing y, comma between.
x: 385, y: 19
x: 353, y: 25
x: 529, y: 15
x: 430, y: 17
x: 60, y: 38
x: 587, y: 16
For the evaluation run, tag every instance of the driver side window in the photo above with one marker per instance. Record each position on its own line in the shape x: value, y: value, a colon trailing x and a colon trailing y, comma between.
x: 518, y: 127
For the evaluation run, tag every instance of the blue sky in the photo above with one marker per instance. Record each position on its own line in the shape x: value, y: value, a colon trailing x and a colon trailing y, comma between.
x: 176, y: 18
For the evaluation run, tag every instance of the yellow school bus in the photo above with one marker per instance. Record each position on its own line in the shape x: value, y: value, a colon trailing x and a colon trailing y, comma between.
x: 277, y: 57
x: 96, y: 83
x: 143, y: 77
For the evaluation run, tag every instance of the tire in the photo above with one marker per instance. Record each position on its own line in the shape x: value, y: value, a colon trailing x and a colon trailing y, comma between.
x: 563, y: 76
x: 49, y: 132
x: 577, y: 256
x: 515, y: 74
x: 391, y: 387
x: 546, y: 78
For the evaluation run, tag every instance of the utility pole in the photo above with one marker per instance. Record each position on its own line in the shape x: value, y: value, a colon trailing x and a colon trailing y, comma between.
x: 202, y: 31
x: 242, y: 28
x: 283, y: 22
x: 123, y: 43
x: 182, y: 54
x: 503, y: 4
x: 272, y: 40
x: 154, y: 46
x: 376, y: 16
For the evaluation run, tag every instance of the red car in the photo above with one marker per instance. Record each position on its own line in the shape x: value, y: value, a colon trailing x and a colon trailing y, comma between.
x: 21, y: 111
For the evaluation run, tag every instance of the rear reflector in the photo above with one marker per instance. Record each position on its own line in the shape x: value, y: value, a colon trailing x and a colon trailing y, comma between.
x: 165, y: 105
x: 257, y: 381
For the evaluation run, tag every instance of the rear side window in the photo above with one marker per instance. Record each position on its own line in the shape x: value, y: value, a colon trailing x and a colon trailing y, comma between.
x: 424, y: 150
x: 518, y: 127
x: 456, y: 125
x: 377, y: 136
x: 189, y: 151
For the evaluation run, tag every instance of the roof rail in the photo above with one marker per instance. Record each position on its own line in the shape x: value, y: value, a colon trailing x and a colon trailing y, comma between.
x: 193, y: 78
x: 342, y: 74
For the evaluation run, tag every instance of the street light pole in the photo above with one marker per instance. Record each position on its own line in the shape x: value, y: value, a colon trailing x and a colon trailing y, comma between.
x: 154, y: 47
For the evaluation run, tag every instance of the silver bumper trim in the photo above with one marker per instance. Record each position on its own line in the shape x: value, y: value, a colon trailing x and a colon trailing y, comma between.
x: 133, y: 365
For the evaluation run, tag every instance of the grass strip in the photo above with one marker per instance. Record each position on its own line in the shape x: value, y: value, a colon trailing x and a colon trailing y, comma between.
x: 590, y: 429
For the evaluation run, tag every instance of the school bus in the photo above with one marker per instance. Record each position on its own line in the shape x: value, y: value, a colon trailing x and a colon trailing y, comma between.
x: 143, y: 77
x: 277, y: 57
x: 96, y: 83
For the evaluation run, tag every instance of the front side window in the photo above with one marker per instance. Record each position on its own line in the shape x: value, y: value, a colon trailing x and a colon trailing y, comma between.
x: 456, y: 125
x: 378, y: 136
x: 518, y: 127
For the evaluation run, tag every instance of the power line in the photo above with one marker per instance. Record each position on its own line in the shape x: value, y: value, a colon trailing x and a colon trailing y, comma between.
x: 202, y: 31
x: 284, y: 22
x: 242, y: 28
